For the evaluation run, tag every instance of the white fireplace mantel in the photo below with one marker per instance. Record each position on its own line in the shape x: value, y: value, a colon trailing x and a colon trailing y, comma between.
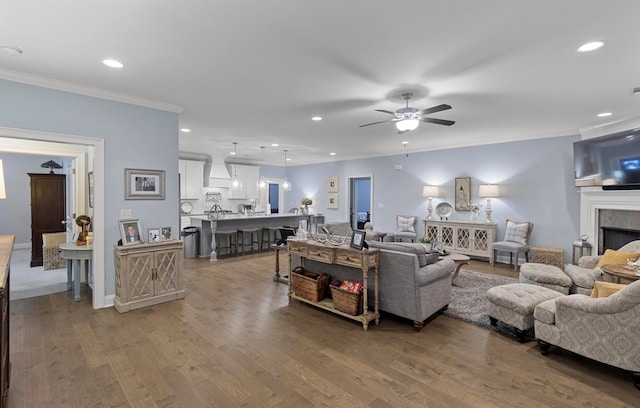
x: 593, y: 199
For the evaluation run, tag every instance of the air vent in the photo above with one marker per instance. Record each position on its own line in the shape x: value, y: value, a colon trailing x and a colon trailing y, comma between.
x: 635, y: 91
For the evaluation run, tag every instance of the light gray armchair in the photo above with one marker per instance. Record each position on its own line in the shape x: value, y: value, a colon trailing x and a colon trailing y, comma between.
x: 516, y: 241
x: 603, y: 329
x: 584, y: 274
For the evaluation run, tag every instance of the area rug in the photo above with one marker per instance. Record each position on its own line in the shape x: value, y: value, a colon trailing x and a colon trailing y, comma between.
x: 469, y: 299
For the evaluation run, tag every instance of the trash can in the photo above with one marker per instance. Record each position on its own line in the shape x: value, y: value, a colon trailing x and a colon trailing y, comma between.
x: 191, y: 238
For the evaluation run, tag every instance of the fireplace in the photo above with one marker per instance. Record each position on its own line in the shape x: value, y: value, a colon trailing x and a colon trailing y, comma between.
x: 614, y: 238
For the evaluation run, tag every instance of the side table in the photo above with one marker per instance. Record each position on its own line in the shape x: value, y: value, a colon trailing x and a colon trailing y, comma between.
x: 459, y: 260
x: 581, y: 245
x: 78, y: 261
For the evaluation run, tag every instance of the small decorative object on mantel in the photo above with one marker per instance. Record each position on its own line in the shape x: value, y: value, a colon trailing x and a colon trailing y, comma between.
x: 82, y: 221
x: 306, y: 202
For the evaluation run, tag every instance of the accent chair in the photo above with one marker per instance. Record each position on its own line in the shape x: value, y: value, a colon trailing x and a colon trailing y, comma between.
x: 516, y: 241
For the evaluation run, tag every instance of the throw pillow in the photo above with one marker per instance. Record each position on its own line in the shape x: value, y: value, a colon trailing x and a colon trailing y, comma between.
x: 405, y: 224
x: 613, y: 257
x: 605, y: 289
x: 411, y: 248
x: 517, y: 232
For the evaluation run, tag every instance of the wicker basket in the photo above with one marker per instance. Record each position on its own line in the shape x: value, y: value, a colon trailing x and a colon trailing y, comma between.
x: 346, y: 302
x: 309, y: 285
x: 548, y: 256
x: 51, y: 252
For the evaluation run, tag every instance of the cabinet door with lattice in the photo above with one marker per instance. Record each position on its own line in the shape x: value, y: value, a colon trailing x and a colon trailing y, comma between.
x: 481, y: 240
x: 166, y: 271
x: 463, y: 239
x: 138, y: 282
x: 448, y: 235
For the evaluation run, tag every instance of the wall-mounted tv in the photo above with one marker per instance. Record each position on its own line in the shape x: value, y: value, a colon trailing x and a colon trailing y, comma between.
x: 611, y: 161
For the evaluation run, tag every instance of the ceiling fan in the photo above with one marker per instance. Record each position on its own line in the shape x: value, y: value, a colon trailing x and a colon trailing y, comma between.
x: 407, y: 118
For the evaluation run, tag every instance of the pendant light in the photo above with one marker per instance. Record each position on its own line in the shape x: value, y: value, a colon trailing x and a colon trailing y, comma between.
x: 262, y: 183
x: 286, y: 186
x: 235, y: 183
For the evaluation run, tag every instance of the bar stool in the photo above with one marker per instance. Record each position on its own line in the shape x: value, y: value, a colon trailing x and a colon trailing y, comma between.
x: 230, y: 238
x: 253, y: 238
x: 270, y: 237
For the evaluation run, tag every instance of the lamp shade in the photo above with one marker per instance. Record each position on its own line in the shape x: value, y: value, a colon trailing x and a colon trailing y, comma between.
x: 430, y: 191
x: 489, y: 191
x: 407, y: 124
x: 3, y: 193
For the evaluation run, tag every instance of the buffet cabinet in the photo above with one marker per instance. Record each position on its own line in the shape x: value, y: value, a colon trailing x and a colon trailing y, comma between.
x: 148, y: 274
x: 468, y: 238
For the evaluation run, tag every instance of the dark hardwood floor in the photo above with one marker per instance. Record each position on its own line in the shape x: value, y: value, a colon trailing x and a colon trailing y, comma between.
x: 235, y: 341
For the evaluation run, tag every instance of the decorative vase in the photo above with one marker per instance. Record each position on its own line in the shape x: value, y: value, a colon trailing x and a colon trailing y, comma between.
x: 475, y: 216
x: 82, y: 237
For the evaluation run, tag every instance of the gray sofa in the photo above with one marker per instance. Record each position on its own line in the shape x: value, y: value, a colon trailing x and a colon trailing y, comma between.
x: 405, y: 288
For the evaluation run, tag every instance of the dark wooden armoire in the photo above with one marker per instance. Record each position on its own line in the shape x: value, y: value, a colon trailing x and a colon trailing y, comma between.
x: 48, y: 197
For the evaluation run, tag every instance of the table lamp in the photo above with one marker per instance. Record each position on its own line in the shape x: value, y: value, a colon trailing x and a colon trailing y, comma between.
x: 430, y: 192
x: 489, y: 191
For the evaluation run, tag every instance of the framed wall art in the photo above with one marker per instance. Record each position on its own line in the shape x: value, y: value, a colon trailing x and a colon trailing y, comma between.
x: 91, y: 189
x: 332, y: 200
x: 143, y: 184
x: 462, y: 193
x: 332, y: 184
x: 130, y: 232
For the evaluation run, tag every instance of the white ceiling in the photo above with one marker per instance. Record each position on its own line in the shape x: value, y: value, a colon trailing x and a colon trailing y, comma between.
x: 255, y: 72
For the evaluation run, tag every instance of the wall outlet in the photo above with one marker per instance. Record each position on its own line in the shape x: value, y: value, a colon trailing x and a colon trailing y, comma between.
x: 125, y: 214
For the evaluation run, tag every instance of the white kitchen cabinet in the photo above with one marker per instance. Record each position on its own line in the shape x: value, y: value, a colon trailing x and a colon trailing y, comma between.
x: 191, y: 179
x: 248, y: 176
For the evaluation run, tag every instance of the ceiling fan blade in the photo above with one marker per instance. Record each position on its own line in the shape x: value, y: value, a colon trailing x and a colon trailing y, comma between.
x: 384, y: 111
x: 435, y: 109
x: 439, y: 121
x: 375, y: 123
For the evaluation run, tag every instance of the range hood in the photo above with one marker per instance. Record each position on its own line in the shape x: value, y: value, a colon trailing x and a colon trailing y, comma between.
x: 219, y: 170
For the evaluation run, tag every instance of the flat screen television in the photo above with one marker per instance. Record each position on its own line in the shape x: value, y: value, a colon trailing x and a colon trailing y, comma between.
x: 611, y: 161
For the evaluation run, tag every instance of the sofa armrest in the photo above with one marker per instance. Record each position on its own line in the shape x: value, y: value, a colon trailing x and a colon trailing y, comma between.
x: 588, y: 261
x: 434, y: 272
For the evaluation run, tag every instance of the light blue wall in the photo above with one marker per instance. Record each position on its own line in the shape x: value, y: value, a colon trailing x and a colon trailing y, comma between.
x: 535, y: 178
x: 134, y: 137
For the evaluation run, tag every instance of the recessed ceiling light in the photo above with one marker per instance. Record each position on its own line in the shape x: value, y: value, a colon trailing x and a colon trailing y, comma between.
x: 316, y: 118
x: 274, y: 145
x: 232, y: 153
x: 113, y: 63
x: 11, y: 50
x: 332, y: 154
x: 604, y: 114
x: 185, y: 130
x: 590, y: 46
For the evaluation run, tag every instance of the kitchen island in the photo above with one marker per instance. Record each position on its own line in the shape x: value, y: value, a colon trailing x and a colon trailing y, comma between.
x: 234, y: 222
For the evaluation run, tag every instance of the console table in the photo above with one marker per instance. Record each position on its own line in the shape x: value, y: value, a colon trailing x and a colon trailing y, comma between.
x: 469, y: 238
x: 340, y: 255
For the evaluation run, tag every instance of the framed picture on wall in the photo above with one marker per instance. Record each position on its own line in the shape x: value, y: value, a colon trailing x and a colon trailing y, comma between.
x: 332, y: 184
x: 143, y: 184
x: 462, y: 193
x: 332, y: 200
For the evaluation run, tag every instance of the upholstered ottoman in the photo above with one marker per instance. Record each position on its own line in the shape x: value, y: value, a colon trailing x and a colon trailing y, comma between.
x: 545, y: 275
x: 514, y: 304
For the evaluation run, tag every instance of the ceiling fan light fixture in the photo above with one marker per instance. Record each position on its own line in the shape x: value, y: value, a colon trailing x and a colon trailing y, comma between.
x: 407, y: 124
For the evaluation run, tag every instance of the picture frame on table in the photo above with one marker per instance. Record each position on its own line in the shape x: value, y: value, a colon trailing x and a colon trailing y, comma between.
x: 332, y: 184
x: 357, y: 240
x: 143, y: 184
x: 130, y: 232
x: 462, y: 193
x: 165, y: 234
x: 153, y: 235
x: 437, y: 246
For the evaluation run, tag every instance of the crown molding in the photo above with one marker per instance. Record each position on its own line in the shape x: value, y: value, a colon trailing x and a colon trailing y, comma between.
x: 87, y: 91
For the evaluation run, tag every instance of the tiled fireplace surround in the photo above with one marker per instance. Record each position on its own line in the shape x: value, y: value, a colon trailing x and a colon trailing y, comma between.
x: 598, y: 208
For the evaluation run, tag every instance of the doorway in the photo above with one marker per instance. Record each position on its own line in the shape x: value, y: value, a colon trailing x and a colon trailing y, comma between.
x: 360, y: 198
x: 83, y: 150
x: 274, y: 201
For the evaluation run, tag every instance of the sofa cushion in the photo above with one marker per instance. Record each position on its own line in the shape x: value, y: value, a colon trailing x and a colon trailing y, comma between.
x: 408, y: 247
x: 605, y: 289
x: 405, y: 224
x: 517, y: 232
x: 612, y: 257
